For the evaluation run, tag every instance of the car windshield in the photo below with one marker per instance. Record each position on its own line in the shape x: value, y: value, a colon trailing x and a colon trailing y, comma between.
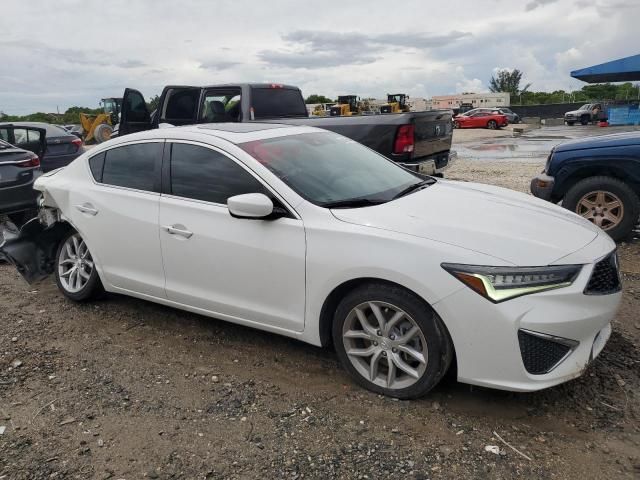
x: 332, y: 171
x: 585, y: 107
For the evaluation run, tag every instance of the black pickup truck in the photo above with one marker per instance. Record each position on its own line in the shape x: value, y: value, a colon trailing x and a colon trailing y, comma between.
x: 418, y: 140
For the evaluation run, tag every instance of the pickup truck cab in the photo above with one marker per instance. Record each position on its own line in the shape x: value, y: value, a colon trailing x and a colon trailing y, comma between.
x: 597, y: 178
x: 420, y: 141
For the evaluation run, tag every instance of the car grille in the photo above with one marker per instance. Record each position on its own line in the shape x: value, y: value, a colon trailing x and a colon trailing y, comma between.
x: 541, y: 354
x: 605, y: 278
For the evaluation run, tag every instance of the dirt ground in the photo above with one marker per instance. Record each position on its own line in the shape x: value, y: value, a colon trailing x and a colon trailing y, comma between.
x: 124, y: 389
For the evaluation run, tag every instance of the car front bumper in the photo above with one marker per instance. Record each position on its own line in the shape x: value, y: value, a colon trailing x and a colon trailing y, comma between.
x: 542, y: 186
x: 487, y: 336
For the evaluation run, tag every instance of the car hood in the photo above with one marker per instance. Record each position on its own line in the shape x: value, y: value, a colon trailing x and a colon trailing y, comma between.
x: 612, y: 140
x: 516, y: 228
x: 576, y: 112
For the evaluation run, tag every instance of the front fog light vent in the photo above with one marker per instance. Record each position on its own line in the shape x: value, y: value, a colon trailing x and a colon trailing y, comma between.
x: 541, y: 353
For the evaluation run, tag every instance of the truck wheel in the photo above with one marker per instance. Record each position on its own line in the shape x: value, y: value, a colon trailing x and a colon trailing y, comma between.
x: 102, y: 133
x: 390, y: 341
x: 607, y: 202
x: 571, y: 124
x: 492, y: 125
x: 584, y: 120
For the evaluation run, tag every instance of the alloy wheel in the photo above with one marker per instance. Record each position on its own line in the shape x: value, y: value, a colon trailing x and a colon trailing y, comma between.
x: 385, y: 345
x: 75, y: 264
x: 602, y: 208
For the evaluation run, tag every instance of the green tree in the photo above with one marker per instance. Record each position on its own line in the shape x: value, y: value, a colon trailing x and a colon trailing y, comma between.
x: 507, y: 80
x: 153, y: 103
x: 315, y: 98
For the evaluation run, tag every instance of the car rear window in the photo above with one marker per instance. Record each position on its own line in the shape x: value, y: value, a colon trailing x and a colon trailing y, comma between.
x: 276, y: 102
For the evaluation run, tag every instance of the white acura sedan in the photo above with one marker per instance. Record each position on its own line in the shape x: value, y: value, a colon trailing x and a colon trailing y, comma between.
x: 308, y: 234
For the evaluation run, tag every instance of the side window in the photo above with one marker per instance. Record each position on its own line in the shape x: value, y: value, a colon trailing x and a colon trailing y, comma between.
x: 132, y: 166
x: 4, y: 134
x: 181, y: 105
x: 95, y: 164
x: 221, y: 105
x: 204, y: 174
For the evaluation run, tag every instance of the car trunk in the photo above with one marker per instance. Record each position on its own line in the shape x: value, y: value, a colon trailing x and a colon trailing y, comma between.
x: 61, y: 145
x: 11, y: 173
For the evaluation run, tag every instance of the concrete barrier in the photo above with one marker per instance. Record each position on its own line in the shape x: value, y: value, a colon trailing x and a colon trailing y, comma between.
x: 552, y: 122
x: 531, y: 120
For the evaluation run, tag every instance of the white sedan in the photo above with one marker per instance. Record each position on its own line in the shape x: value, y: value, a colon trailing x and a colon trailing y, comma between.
x: 308, y: 234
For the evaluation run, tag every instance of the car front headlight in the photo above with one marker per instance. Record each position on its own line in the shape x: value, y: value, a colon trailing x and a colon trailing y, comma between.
x: 498, y: 284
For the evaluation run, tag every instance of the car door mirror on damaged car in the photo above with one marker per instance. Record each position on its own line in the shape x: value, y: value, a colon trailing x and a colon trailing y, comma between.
x: 254, y: 206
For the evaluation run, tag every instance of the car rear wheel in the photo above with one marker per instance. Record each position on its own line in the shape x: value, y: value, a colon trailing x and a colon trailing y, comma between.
x: 390, y: 341
x: 607, y: 202
x: 492, y: 125
x: 76, y: 274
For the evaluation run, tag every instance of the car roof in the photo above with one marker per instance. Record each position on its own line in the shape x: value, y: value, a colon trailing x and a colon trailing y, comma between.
x: 231, y: 132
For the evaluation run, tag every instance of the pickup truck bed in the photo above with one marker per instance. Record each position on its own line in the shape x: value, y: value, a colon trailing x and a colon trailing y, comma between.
x: 418, y: 140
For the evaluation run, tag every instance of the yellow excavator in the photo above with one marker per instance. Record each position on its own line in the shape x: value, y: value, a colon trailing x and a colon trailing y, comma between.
x: 347, y: 105
x: 98, y: 128
x: 396, y: 103
x: 319, y: 111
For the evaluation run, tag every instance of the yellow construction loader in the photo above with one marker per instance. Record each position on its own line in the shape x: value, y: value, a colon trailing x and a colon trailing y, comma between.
x: 98, y: 128
x: 347, y: 105
x: 396, y: 103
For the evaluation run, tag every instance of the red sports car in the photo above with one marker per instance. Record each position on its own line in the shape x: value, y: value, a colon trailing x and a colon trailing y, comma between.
x: 477, y: 119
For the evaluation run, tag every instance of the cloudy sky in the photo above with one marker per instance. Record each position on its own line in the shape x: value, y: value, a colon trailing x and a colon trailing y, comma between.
x: 56, y: 54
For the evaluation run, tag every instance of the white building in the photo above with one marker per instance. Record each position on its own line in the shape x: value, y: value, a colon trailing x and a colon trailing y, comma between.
x: 478, y: 100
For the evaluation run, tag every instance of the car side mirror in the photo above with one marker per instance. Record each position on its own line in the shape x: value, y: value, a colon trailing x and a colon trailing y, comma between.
x: 254, y: 206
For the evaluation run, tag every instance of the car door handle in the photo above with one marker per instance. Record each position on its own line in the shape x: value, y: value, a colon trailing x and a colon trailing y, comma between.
x: 172, y: 230
x: 87, y: 208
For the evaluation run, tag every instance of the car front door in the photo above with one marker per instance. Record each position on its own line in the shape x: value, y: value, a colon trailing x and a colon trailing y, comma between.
x: 116, y: 212
x: 27, y: 138
x: 245, y: 270
x: 135, y: 115
x: 478, y: 119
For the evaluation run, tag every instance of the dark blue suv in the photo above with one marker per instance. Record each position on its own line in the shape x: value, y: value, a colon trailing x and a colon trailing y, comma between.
x: 598, y: 178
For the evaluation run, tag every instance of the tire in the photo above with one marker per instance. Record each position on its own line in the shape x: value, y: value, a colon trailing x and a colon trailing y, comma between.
x: 102, y: 133
x: 90, y: 287
x: 585, y: 120
x: 456, y: 125
x: 492, y: 125
x: 430, y: 341
x: 585, y: 192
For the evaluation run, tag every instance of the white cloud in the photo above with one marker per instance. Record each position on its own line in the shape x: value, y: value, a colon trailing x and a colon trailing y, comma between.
x: 330, y: 48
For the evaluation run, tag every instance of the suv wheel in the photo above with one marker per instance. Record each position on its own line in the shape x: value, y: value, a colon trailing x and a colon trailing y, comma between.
x: 607, y: 202
x: 390, y: 341
x: 76, y: 275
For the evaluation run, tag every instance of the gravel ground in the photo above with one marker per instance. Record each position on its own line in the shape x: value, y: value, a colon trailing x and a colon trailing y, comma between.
x: 124, y: 389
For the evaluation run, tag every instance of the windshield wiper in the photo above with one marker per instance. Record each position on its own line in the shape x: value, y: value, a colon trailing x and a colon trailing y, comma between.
x: 414, y: 187
x: 352, y: 203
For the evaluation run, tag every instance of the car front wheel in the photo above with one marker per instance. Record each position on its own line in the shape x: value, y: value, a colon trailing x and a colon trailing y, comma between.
x: 76, y: 274
x: 607, y: 202
x: 390, y: 341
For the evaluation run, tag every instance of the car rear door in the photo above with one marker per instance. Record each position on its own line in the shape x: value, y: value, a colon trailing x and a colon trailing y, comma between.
x: 135, y: 115
x: 28, y: 138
